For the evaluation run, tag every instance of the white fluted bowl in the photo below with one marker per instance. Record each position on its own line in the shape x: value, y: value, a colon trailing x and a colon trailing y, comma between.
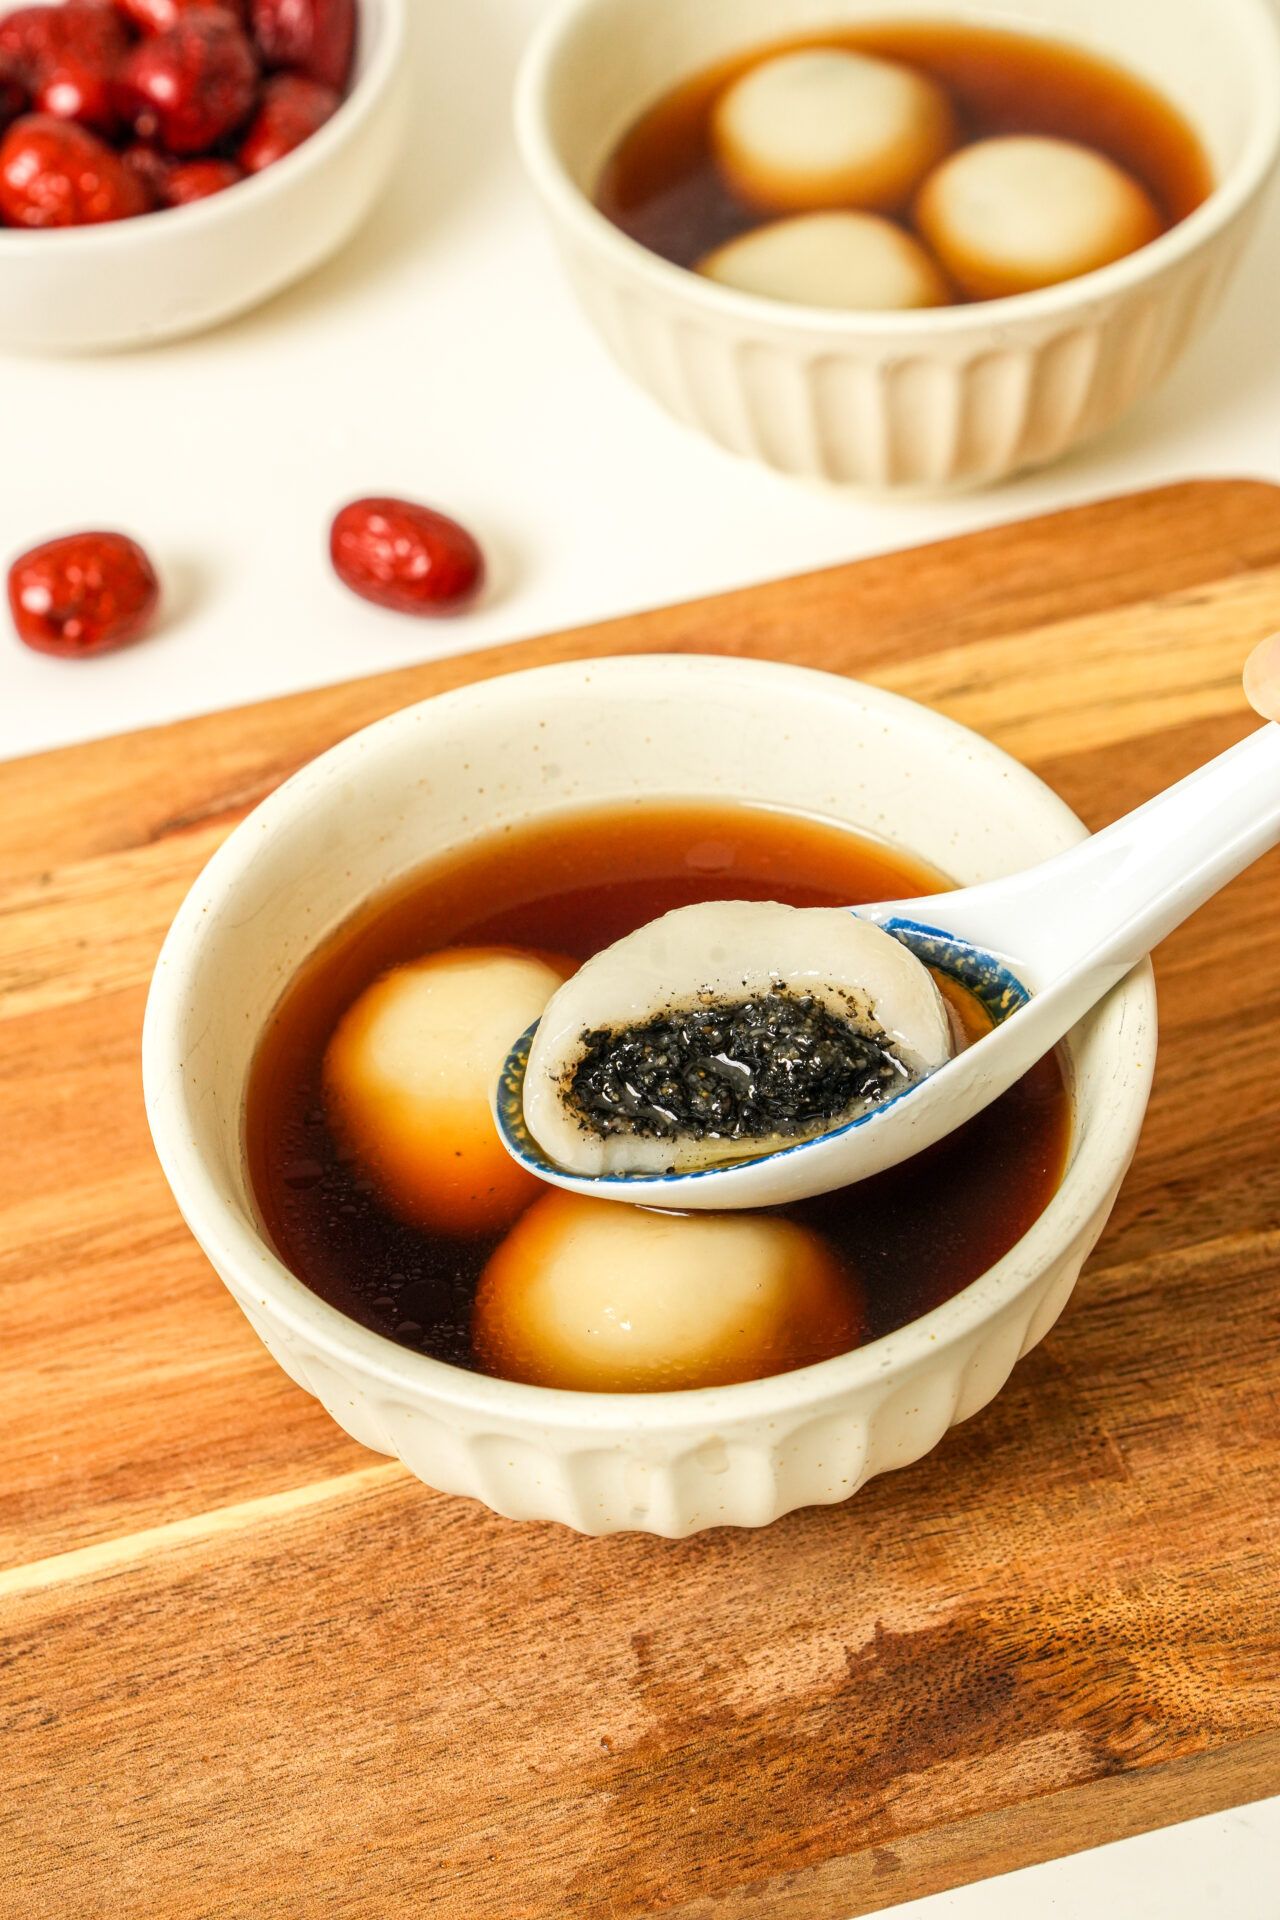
x: 131, y: 283
x: 948, y: 397
x: 429, y: 781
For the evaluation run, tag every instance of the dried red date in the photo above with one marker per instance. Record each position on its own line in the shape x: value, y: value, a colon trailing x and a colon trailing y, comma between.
x: 406, y: 557
x: 290, y: 111
x: 314, y: 37
x: 36, y: 38
x: 190, y: 87
x: 86, y: 593
x: 174, y: 105
x: 68, y: 56
x: 151, y: 167
x: 198, y: 180
x: 54, y: 173
x: 14, y: 98
x: 157, y: 16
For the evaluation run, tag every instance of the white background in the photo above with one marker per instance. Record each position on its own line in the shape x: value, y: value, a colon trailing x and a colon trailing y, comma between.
x: 441, y: 357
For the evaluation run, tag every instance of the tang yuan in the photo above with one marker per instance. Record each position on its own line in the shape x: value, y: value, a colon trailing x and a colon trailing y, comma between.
x: 998, y: 162
x: 725, y: 1030
x: 827, y: 127
x: 601, y: 1298
x: 1007, y: 216
x: 380, y: 1178
x: 408, y: 1075
x: 854, y: 260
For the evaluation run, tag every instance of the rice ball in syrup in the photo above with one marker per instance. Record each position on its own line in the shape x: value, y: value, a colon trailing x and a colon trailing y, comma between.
x: 408, y: 1075
x: 726, y: 1030
x: 1010, y: 215
x: 827, y: 127
x: 587, y: 1295
x: 854, y: 260
x: 840, y: 126
x: 404, y: 1245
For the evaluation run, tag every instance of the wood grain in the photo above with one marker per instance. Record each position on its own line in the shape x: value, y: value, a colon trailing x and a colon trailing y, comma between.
x: 248, y: 1669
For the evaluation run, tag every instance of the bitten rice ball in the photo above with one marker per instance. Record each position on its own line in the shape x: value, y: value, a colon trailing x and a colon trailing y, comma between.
x: 605, y: 1298
x: 848, y: 260
x: 828, y: 128
x: 1009, y: 215
x: 409, y: 1074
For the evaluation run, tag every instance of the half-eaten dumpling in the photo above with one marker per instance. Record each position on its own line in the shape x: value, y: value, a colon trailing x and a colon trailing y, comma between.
x: 725, y: 1031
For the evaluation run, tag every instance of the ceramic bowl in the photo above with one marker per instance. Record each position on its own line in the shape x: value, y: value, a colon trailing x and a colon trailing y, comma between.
x: 130, y: 283
x: 432, y: 779
x: 949, y: 397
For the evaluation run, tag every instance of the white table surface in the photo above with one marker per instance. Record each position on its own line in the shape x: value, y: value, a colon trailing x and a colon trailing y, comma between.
x: 442, y: 357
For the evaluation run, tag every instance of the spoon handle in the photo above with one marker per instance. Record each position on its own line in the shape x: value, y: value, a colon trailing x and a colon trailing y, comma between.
x: 1104, y: 904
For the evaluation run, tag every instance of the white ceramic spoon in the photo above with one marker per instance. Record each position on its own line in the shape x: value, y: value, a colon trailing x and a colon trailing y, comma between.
x: 1048, y: 943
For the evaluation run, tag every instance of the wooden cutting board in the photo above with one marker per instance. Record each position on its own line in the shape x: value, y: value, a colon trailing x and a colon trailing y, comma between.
x: 247, y: 1669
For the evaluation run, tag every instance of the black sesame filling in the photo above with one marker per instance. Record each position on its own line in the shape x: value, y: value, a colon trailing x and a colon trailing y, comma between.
x: 778, y: 1063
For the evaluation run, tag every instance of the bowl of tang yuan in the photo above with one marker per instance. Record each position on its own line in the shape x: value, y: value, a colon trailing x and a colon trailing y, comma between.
x: 901, y: 243
x: 320, y: 1057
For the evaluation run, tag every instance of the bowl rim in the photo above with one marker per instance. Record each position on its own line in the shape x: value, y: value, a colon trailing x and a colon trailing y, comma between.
x: 536, y: 141
x: 238, y: 1246
x: 357, y: 105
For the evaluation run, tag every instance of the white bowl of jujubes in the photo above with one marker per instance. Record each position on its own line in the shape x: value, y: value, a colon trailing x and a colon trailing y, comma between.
x: 472, y: 768
x: 165, y: 164
x: 859, y: 276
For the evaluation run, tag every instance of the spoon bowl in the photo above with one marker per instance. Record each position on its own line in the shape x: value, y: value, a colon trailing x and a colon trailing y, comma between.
x: 1039, y: 948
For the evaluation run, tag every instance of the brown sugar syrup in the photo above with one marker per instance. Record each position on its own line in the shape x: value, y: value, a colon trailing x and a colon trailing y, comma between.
x: 571, y: 885
x: 661, y: 185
